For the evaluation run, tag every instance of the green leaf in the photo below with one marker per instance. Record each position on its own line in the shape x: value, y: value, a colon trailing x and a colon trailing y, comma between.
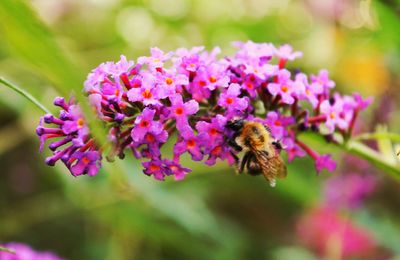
x: 25, y: 94
x: 32, y: 41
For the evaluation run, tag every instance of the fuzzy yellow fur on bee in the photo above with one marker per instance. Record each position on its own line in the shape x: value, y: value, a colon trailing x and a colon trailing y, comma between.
x: 261, y: 151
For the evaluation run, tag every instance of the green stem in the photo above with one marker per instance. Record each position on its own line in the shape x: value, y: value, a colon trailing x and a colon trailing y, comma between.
x: 374, y: 157
x: 371, y: 136
x: 24, y: 94
x: 4, y: 249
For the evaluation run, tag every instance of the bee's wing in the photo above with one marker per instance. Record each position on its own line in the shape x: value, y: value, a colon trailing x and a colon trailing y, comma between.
x: 271, y: 166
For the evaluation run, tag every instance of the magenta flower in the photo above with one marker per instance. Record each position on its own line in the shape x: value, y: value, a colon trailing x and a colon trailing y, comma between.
x: 87, y: 163
x: 278, y: 124
x: 144, y: 124
x: 319, y: 227
x: 285, y: 52
x: 156, y: 169
x: 180, y: 111
x: 25, y: 252
x: 194, y: 92
x: 325, y: 162
x: 156, y: 61
x: 188, y: 142
x: 323, y: 80
x: 284, y: 87
x: 176, y: 169
x: 348, y: 190
x: 231, y: 101
x: 335, y: 115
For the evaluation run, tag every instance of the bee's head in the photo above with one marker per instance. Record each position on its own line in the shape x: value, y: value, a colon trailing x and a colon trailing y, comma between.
x: 235, y: 125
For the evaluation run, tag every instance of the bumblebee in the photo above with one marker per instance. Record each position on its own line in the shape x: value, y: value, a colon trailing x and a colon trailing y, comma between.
x: 261, y: 151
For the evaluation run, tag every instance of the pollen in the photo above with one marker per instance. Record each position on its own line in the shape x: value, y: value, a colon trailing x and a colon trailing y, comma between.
x: 229, y: 101
x: 85, y: 160
x: 202, y: 83
x: 191, y: 143
x: 213, y: 79
x: 144, y: 123
x: 80, y: 122
x: 213, y: 131
x: 150, y: 138
x: 147, y: 94
x: 154, y: 168
x: 169, y: 81
x: 179, y: 111
x: 216, y: 150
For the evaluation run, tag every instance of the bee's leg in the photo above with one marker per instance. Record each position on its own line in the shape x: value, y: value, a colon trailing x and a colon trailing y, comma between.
x: 253, y: 167
x: 244, y: 161
x: 277, y: 144
x: 234, y: 145
x: 235, y: 157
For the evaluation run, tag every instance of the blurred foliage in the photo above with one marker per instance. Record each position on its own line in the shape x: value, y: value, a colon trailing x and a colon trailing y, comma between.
x: 48, y: 47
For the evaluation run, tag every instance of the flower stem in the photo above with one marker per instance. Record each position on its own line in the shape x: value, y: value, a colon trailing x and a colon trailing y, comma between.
x: 4, y: 249
x: 24, y: 94
x: 374, y: 157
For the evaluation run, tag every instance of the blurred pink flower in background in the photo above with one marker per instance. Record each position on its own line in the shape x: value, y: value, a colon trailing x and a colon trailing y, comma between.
x: 25, y: 252
x: 330, y: 234
x: 348, y: 190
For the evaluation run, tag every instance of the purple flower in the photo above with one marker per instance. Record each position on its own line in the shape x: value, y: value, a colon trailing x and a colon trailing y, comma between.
x: 180, y: 111
x: 144, y: 124
x: 155, y: 168
x: 108, y: 69
x: 87, y: 163
x: 73, y: 141
x: 323, y: 80
x: 348, y: 190
x: 309, y: 92
x: 156, y: 61
x: 335, y: 115
x: 325, y: 162
x: 285, y: 52
x: 277, y: 124
x: 25, y: 252
x: 188, y: 142
x: 230, y: 100
x: 176, y: 169
x: 292, y: 149
x: 284, y: 87
x: 149, y: 93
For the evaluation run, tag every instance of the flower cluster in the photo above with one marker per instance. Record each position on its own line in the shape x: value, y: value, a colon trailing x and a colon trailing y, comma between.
x: 21, y: 251
x: 193, y: 93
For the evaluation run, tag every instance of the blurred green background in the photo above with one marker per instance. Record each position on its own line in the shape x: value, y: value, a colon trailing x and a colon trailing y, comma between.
x: 48, y: 47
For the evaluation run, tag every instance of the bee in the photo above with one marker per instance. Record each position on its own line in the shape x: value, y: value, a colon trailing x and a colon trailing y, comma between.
x: 261, y: 151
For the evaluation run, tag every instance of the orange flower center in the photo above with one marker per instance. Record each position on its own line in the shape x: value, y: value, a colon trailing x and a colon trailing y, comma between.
x: 154, y: 168
x: 169, y: 81
x: 202, y: 83
x: 179, y: 111
x: 278, y: 123
x: 216, y: 150
x: 213, y: 79
x: 150, y: 138
x: 116, y: 92
x: 191, y: 143
x: 147, y: 94
x: 229, y: 101
x: 249, y: 85
x: 144, y: 123
x: 284, y: 88
x: 80, y: 122
x: 85, y: 160
x: 213, y: 131
x: 332, y: 115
